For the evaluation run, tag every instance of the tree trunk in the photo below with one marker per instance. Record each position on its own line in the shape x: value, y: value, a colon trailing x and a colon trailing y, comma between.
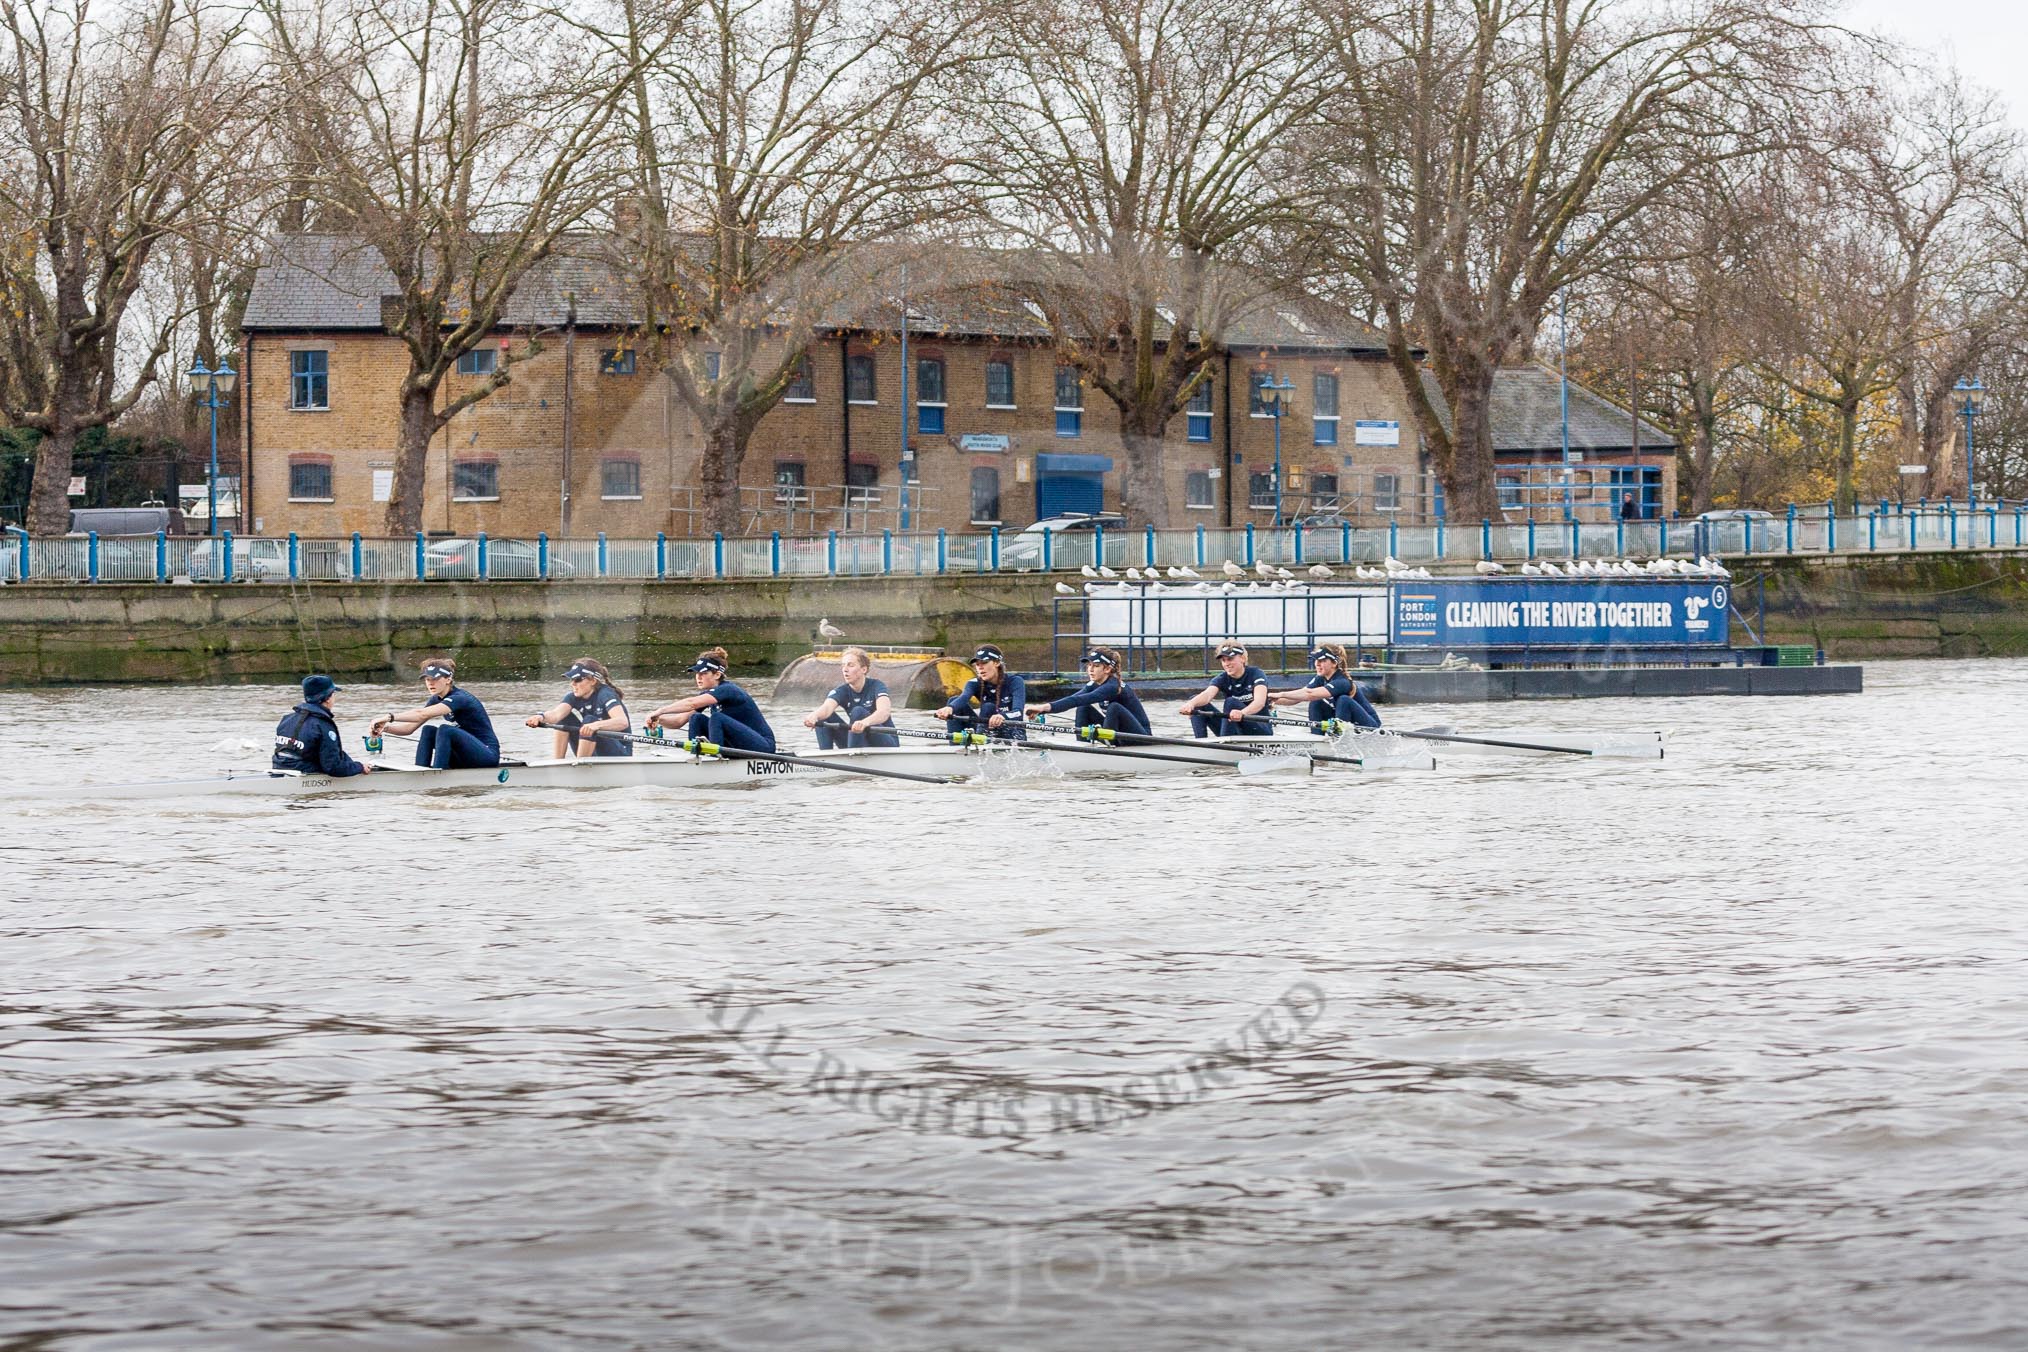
x: 1471, y: 489
x: 1848, y: 454
x: 1703, y: 448
x: 49, y: 496
x: 724, y: 454
x: 1144, y: 492
x: 419, y: 423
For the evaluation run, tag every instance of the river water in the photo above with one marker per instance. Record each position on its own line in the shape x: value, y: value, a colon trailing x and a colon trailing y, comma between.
x: 1725, y: 1051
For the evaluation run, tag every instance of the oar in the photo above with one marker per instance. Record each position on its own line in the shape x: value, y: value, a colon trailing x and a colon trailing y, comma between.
x: 1330, y: 726
x: 698, y: 747
x: 1087, y: 734
x: 1104, y: 736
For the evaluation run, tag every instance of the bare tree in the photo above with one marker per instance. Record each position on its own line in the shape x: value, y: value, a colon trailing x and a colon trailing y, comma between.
x: 459, y: 141
x: 1140, y: 155
x: 1495, y: 151
x: 775, y: 147
x: 1880, y: 230
x: 115, y: 136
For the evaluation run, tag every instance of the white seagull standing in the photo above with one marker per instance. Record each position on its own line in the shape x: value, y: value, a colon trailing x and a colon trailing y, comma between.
x: 828, y: 630
x: 1065, y: 589
x: 1106, y: 572
x: 1088, y: 571
x: 1233, y: 570
x: 1488, y: 568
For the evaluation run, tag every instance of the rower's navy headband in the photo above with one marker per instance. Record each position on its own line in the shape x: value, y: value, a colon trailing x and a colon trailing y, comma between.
x: 988, y: 653
x: 706, y: 664
x: 577, y: 673
x: 434, y: 672
x: 1224, y: 653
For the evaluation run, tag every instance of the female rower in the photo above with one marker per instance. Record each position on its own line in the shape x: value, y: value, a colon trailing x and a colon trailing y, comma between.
x: 858, y: 711
x: 991, y: 701
x: 1332, y: 693
x: 1242, y: 691
x: 1105, y: 699
x: 720, y: 711
x: 464, y: 740
x: 593, y: 712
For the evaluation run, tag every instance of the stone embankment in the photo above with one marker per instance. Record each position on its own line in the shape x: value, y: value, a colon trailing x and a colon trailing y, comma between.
x: 1854, y: 608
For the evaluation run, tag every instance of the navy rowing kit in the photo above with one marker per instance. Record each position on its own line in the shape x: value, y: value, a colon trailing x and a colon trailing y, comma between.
x: 854, y: 705
x: 1108, y: 704
x: 306, y: 741
x: 972, y: 708
x: 462, y: 739
x: 1235, y: 692
x: 734, y: 721
x: 602, y: 703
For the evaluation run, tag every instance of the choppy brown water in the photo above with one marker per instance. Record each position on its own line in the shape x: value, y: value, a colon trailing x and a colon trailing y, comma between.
x: 1726, y: 1051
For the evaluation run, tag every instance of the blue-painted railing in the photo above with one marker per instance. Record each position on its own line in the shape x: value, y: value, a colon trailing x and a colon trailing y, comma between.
x: 1804, y: 531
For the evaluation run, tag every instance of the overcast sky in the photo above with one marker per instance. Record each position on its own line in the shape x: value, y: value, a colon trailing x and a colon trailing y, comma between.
x: 1986, y: 39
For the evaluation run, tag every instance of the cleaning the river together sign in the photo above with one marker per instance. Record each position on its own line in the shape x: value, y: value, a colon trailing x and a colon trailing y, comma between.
x: 1549, y: 614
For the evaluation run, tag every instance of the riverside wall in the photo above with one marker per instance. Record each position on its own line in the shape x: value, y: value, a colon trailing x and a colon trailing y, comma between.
x: 1854, y: 608
x: 1867, y: 608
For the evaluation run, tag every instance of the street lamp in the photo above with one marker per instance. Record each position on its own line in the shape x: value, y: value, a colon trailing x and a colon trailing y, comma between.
x: 1274, y: 397
x: 216, y: 384
x: 1969, y: 394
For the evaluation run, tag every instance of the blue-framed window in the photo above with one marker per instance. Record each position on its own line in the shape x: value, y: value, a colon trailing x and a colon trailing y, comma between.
x: 1324, y: 409
x: 480, y: 361
x: 1069, y: 402
x: 310, y: 379
x: 929, y: 395
x: 1199, y: 412
x: 617, y: 361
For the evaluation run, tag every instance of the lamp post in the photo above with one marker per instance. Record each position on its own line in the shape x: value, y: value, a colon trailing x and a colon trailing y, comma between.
x: 1969, y: 393
x: 1274, y: 397
x: 216, y: 384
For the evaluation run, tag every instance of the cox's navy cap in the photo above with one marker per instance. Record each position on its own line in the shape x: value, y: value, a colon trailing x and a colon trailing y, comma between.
x: 1094, y: 655
x: 319, y: 687
x: 1229, y: 651
x: 988, y: 653
x: 706, y: 664
x: 577, y: 673
x: 1319, y: 654
x: 433, y: 672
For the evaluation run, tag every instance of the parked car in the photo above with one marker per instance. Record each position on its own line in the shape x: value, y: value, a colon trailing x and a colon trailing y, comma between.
x: 143, y: 520
x: 1023, y: 553
x: 253, y: 560
x: 1736, y: 514
x: 505, y: 559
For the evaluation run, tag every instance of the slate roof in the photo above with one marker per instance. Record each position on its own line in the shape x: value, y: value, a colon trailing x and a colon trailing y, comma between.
x: 327, y: 281
x: 1527, y: 415
x: 315, y: 281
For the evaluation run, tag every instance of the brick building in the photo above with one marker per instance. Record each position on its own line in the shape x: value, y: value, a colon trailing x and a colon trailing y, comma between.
x: 1001, y: 431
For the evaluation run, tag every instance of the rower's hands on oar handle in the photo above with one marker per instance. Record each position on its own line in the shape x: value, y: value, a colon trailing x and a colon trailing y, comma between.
x: 1034, y: 710
x: 533, y: 721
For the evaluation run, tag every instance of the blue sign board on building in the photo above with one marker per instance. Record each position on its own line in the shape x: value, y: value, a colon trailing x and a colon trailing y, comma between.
x: 1550, y: 614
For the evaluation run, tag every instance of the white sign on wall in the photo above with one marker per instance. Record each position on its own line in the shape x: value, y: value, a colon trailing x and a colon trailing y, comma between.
x: 1366, y: 433
x: 383, y: 485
